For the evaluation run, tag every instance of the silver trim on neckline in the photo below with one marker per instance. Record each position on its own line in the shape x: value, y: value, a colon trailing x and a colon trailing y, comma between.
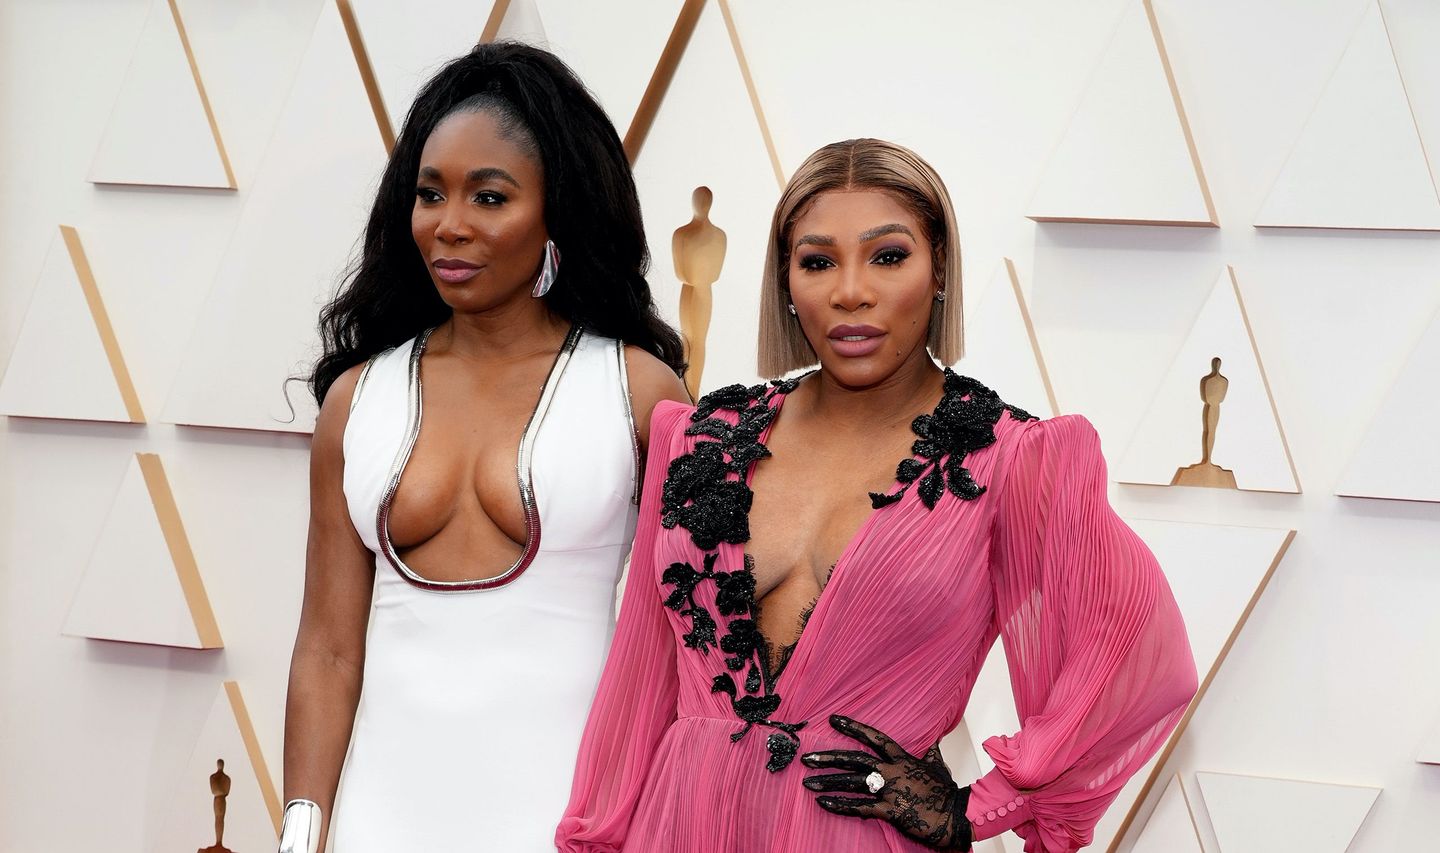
x: 630, y: 419
x: 523, y: 462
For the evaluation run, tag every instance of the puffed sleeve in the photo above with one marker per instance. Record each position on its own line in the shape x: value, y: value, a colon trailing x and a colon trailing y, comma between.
x: 636, y: 699
x: 1100, y: 665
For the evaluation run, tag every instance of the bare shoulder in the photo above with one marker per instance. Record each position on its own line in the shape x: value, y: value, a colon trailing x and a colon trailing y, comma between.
x: 651, y: 381
x: 334, y: 415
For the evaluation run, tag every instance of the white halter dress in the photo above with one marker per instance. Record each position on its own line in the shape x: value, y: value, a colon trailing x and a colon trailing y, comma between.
x: 476, y: 692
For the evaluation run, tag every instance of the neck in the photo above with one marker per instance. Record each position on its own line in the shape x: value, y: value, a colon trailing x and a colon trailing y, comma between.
x: 915, y: 385
x: 511, y: 331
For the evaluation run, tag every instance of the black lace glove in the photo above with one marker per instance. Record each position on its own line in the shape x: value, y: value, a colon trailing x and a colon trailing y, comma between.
x: 916, y: 795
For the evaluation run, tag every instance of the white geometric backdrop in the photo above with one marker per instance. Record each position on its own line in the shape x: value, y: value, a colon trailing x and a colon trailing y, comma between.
x: 1241, y: 122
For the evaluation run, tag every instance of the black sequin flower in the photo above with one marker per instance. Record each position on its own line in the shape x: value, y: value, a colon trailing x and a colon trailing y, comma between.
x: 706, y: 493
x: 963, y: 421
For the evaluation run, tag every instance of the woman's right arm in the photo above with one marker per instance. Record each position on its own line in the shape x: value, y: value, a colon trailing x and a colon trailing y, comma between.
x: 329, y: 657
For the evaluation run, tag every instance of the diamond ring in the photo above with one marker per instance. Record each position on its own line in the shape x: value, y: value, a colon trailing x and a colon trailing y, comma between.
x: 874, y: 782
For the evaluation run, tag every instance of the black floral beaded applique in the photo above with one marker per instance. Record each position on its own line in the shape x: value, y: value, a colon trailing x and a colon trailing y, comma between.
x: 963, y: 421
x: 699, y: 496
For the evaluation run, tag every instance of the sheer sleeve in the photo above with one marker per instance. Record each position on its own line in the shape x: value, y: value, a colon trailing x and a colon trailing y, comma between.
x: 636, y: 699
x: 1100, y: 665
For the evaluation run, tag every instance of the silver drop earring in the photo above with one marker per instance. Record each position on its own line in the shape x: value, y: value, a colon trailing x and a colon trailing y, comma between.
x: 549, y: 268
x: 792, y: 310
x: 939, y: 296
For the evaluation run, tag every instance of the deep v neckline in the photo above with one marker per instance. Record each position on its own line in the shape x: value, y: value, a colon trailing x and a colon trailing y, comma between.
x: 707, y: 493
x: 529, y: 503
x: 810, y: 614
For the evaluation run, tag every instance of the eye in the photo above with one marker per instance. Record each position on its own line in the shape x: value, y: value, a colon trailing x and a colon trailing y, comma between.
x: 428, y: 195
x: 890, y: 257
x: 487, y: 198
x: 815, y: 263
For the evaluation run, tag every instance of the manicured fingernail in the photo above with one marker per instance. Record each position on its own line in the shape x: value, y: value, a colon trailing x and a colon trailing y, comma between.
x: 837, y: 720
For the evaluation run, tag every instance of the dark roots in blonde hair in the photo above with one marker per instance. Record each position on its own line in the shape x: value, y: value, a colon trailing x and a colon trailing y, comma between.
x: 860, y: 164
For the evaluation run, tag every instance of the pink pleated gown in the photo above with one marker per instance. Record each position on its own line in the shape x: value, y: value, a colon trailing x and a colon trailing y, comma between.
x: 1030, y: 551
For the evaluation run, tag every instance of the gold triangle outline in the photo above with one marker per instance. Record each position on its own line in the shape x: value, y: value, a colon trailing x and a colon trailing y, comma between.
x: 664, y: 74
x: 367, y: 74
x: 194, y: 67
x: 1213, y: 220
x: 1414, y: 121
x: 1264, y: 381
x: 1020, y: 300
x: 257, y: 757
x: 101, y: 318
x: 661, y: 77
x: 1264, y: 377
x: 182, y: 558
x: 200, y: 88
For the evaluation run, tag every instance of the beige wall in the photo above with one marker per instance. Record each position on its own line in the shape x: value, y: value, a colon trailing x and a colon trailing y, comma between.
x: 1333, y: 678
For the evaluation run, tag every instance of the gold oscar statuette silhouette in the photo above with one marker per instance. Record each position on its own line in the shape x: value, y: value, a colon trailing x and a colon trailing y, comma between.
x: 1213, y: 386
x: 699, y: 250
x: 219, y: 789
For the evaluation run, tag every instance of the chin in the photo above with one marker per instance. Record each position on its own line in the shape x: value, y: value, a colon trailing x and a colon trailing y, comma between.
x: 858, y: 372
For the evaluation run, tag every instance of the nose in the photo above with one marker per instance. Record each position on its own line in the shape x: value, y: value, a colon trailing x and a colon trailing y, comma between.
x: 852, y: 290
x: 452, y: 228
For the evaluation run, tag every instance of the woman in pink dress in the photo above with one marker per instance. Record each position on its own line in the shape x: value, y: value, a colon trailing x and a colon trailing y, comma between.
x: 793, y: 591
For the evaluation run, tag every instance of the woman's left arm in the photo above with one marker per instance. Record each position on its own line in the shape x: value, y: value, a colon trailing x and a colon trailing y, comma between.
x: 1099, y: 663
x: 1100, y: 666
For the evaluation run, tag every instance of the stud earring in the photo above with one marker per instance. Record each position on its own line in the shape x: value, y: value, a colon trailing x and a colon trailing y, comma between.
x: 549, y: 268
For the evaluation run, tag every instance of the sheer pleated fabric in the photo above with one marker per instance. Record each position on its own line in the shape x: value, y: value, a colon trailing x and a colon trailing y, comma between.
x: 1099, y: 661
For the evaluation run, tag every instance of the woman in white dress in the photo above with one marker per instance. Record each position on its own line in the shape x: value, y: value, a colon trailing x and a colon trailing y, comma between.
x: 465, y: 543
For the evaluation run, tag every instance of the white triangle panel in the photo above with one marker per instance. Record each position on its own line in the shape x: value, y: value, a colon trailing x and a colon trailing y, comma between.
x: 59, y: 367
x: 583, y: 33
x: 1414, y: 30
x: 160, y: 130
x: 1171, y: 827
x: 1429, y: 752
x: 406, y: 47
x: 1399, y: 457
x: 131, y: 590
x: 1359, y: 162
x: 1249, y: 439
x: 1255, y: 814
x: 302, y: 220
x: 251, y: 806
x: 246, y: 96
x: 1001, y: 349
x: 1126, y: 156
x: 727, y: 154
x: 1216, y: 574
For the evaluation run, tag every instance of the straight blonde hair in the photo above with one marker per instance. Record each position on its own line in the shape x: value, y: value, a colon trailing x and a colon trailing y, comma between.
x: 860, y: 164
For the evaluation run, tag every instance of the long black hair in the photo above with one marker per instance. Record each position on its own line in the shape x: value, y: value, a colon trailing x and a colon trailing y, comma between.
x: 592, y: 213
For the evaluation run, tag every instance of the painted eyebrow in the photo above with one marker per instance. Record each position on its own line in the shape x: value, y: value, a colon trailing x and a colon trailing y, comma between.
x: 865, y: 236
x: 474, y: 176
x: 882, y: 230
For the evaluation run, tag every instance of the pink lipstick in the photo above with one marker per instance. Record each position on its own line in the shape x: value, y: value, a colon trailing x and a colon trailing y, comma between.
x: 454, y: 270
x: 855, y: 341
